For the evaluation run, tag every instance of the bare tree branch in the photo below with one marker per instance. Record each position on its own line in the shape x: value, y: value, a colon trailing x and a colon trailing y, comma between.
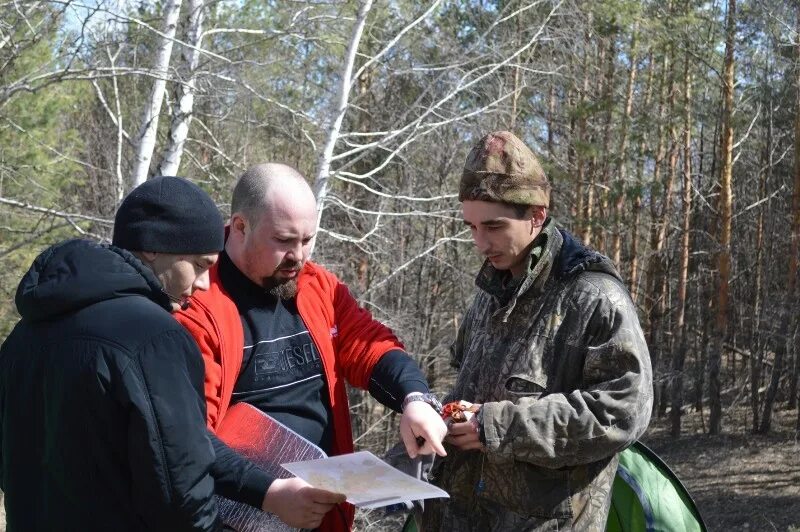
x: 54, y: 212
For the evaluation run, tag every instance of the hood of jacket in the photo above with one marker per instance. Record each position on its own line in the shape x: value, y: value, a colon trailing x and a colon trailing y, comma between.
x: 71, y: 275
x: 574, y: 258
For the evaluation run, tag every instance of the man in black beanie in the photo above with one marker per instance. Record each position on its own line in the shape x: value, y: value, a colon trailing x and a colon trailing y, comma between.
x: 165, y: 221
x: 102, y: 417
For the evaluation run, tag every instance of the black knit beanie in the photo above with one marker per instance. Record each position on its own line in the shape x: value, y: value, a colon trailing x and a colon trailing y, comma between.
x: 169, y: 215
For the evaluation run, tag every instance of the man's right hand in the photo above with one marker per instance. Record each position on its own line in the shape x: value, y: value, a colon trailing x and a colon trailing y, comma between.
x: 298, y: 504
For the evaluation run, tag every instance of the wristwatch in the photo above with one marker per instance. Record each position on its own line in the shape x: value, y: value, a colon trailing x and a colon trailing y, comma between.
x: 429, y: 398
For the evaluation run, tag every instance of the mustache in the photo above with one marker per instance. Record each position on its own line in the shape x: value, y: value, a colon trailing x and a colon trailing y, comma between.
x: 290, y: 265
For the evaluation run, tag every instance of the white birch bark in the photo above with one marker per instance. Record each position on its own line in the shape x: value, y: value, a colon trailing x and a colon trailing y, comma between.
x: 120, y: 131
x: 323, y: 174
x: 147, y: 134
x: 182, y: 113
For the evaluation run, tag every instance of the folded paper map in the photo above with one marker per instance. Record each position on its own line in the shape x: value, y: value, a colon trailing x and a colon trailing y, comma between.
x: 367, y: 481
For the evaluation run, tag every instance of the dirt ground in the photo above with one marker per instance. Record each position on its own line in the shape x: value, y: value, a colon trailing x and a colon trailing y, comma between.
x: 740, y: 481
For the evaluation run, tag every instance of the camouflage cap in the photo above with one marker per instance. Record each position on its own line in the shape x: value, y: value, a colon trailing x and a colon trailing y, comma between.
x: 500, y: 167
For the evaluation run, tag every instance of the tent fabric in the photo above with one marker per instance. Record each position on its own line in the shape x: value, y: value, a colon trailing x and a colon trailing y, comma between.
x: 648, y: 497
x: 627, y: 512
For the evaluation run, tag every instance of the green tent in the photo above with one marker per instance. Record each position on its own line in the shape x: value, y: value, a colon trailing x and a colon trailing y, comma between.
x: 646, y: 497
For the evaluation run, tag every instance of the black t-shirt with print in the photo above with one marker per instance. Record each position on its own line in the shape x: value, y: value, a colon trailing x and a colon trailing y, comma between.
x: 281, y: 372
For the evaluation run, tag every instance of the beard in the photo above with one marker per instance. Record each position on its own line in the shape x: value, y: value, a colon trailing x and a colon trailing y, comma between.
x: 280, y: 287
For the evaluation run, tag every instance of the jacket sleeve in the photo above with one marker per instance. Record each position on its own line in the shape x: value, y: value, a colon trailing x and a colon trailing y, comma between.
x: 608, y: 413
x: 169, y: 451
x: 394, y: 377
x: 361, y: 340
x: 236, y: 477
x: 208, y: 344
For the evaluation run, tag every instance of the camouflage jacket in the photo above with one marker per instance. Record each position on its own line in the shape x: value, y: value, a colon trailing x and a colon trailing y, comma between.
x: 559, y: 362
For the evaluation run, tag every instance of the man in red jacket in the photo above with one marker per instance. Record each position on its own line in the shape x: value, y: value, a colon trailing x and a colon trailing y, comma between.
x: 283, y: 334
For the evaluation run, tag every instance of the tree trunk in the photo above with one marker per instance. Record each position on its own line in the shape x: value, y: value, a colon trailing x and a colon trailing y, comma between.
x: 680, y: 346
x: 601, y: 227
x: 661, y: 296
x: 756, y: 361
x: 580, y: 147
x: 592, y: 218
x: 790, y: 305
x: 182, y: 113
x: 654, y: 270
x: 323, y: 174
x: 147, y: 134
x: 551, y: 117
x: 619, y: 189
x: 725, y: 212
x: 637, y: 199
x: 517, y: 78
x: 794, y: 260
x: 780, y: 355
x: 572, y: 157
x: 795, y: 357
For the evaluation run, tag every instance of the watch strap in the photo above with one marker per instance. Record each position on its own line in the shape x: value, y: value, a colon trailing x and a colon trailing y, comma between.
x: 429, y: 398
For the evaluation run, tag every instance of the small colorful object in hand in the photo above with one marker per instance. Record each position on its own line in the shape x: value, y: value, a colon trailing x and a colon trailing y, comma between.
x: 458, y: 412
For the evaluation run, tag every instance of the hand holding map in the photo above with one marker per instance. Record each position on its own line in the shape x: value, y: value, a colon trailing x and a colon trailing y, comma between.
x: 367, y: 481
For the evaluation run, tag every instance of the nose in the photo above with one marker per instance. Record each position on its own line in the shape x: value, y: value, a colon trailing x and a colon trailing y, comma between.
x: 481, y: 242
x: 297, y: 252
x: 202, y: 281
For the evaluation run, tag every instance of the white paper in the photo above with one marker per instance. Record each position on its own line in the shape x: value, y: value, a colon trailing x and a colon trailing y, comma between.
x: 367, y: 481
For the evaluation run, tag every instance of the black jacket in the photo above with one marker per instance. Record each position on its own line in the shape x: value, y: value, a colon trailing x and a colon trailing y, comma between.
x: 102, y: 418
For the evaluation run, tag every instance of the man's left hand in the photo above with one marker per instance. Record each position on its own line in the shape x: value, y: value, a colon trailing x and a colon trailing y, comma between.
x: 466, y: 435
x: 420, y: 420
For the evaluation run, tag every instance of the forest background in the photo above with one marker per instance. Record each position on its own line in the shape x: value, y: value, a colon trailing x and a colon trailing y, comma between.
x: 669, y: 129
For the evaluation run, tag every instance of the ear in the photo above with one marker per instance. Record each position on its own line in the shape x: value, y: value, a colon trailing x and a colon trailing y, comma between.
x: 239, y: 224
x: 538, y: 215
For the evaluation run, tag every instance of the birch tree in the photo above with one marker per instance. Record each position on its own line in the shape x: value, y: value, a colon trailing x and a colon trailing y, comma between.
x: 182, y: 112
x: 323, y: 174
x: 146, y: 139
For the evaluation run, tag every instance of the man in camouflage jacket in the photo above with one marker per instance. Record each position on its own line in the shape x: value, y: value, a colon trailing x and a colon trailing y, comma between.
x: 552, y: 353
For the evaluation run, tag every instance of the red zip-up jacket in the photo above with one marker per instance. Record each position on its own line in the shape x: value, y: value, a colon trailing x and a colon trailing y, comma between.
x: 349, y: 340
